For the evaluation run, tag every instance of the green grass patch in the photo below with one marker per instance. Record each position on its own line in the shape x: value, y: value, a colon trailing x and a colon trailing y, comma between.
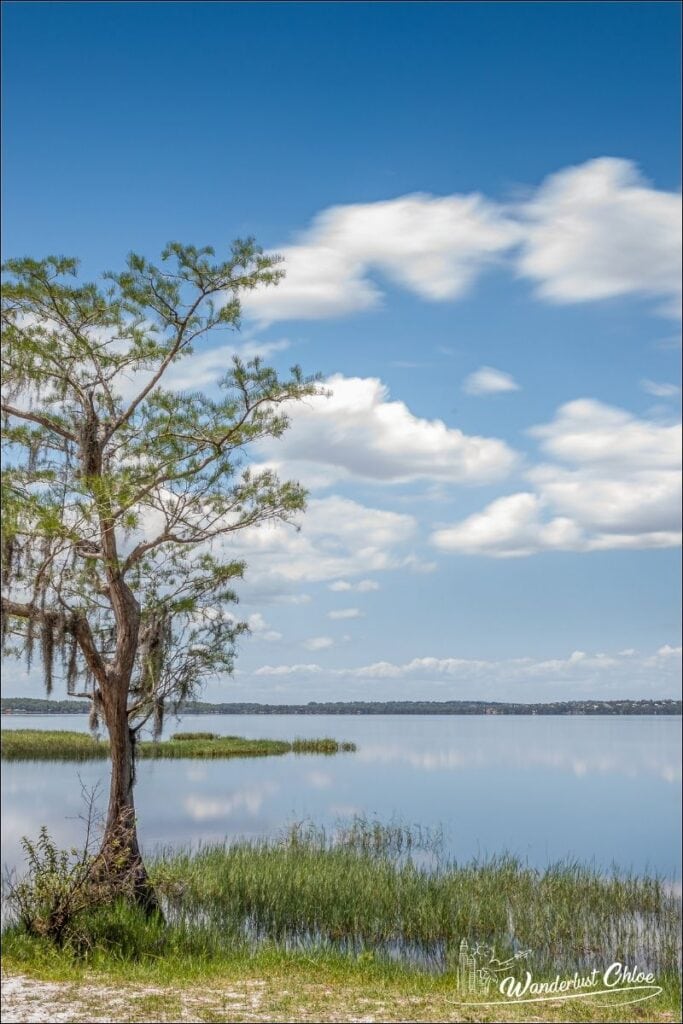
x: 58, y: 745
x: 274, y: 984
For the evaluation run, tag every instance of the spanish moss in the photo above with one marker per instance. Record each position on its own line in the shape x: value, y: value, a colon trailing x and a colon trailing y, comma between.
x: 158, y: 718
x: 95, y: 712
x: 47, y: 651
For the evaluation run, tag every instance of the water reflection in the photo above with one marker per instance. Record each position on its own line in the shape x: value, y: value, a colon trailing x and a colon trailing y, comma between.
x: 602, y: 789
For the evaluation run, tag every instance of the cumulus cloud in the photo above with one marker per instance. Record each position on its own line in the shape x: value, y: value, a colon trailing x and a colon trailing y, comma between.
x: 432, y: 245
x: 507, y: 528
x: 321, y: 282
x: 338, y: 538
x: 594, y: 231
x: 355, y: 430
x: 258, y: 625
x: 489, y: 381
x: 598, y: 231
x: 615, y: 484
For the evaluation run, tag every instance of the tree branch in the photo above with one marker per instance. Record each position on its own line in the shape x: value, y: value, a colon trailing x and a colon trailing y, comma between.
x: 77, y: 624
x: 36, y: 417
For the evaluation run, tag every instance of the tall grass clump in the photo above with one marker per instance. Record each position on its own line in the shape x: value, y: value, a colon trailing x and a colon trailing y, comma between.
x: 322, y: 746
x: 189, y: 736
x: 368, y: 886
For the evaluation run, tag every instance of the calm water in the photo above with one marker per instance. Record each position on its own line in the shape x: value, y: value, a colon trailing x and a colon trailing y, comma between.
x: 600, y: 789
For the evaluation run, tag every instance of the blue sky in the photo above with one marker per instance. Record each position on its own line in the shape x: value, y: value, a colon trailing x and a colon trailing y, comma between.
x: 478, y: 204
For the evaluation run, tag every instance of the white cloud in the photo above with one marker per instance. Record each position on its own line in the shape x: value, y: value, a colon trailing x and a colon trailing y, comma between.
x: 338, y: 538
x: 318, y: 643
x: 345, y: 613
x: 521, y: 678
x: 356, y: 431
x: 508, y: 527
x: 667, y: 651
x: 321, y: 282
x: 620, y: 490
x: 660, y: 390
x: 599, y: 230
x: 288, y: 670
x: 362, y: 587
x: 489, y: 381
x: 593, y: 231
x: 433, y: 245
x: 257, y: 625
x: 604, y: 437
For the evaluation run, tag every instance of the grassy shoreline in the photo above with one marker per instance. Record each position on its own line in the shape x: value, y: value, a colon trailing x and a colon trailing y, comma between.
x: 363, y: 923
x: 274, y: 986
x: 61, y: 745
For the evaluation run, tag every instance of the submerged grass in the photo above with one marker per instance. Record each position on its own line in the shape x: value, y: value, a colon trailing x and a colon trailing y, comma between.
x: 58, y: 745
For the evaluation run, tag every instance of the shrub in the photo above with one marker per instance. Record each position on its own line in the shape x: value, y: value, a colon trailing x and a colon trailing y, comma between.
x: 61, y: 888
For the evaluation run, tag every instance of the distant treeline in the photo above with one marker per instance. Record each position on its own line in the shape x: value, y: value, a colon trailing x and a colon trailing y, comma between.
x: 32, y: 705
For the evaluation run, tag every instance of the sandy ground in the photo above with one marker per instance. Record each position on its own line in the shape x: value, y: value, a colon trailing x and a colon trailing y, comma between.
x: 26, y: 1001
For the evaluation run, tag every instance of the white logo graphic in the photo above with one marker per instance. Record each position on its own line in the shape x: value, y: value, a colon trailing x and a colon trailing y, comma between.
x: 480, y: 972
x: 479, y: 969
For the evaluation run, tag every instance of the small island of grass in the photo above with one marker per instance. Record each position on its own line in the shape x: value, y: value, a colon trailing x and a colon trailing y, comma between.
x: 61, y: 745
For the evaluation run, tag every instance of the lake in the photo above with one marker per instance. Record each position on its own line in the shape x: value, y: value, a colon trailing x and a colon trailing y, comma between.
x: 601, y: 789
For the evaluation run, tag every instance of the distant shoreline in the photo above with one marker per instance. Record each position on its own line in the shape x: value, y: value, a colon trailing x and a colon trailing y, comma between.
x: 34, y: 706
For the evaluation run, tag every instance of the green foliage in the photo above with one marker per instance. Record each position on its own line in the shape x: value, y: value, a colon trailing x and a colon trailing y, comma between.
x: 53, y: 890
x: 76, y: 899
x: 61, y: 888
x: 121, y: 489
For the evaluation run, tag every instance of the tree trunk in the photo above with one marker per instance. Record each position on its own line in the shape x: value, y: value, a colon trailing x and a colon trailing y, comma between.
x: 120, y: 858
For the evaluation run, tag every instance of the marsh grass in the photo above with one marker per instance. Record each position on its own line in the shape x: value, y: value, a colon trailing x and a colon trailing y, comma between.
x: 184, y: 736
x: 388, y: 890
x: 58, y: 745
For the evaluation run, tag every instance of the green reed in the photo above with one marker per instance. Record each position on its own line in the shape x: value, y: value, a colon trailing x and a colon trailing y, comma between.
x: 372, y: 886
